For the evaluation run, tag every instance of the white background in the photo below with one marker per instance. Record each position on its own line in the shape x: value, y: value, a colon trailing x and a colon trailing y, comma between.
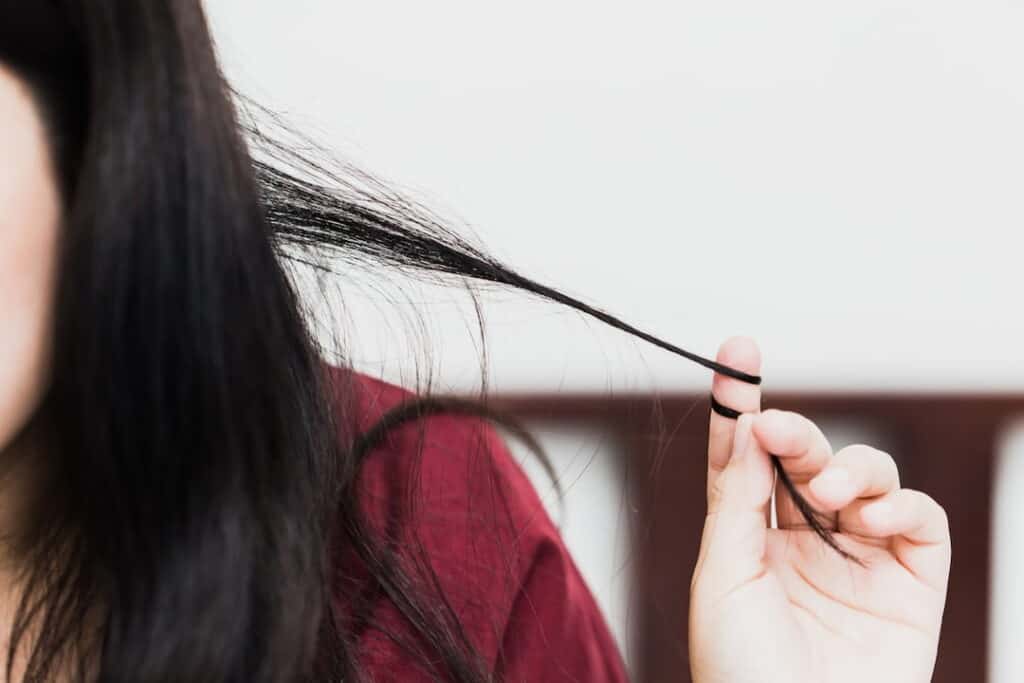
x: 840, y: 180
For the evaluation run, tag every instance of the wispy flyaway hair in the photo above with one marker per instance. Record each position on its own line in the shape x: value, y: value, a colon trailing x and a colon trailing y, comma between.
x: 198, y: 464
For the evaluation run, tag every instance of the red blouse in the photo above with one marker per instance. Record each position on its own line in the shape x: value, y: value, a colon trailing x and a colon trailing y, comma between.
x: 498, y: 557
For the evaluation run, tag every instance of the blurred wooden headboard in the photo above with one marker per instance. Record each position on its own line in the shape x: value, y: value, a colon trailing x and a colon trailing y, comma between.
x: 945, y: 445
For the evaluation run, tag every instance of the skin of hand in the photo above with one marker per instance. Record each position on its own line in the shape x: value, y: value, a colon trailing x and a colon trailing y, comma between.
x: 774, y: 605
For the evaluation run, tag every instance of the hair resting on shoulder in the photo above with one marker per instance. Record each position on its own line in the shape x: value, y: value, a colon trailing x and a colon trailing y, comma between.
x: 190, y: 402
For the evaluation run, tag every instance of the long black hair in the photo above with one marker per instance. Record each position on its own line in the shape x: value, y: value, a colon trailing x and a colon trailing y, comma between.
x: 199, y: 464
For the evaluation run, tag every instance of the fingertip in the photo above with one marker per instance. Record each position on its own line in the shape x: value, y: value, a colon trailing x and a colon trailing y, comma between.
x: 833, y: 488
x: 740, y: 353
x: 774, y: 426
x: 741, y: 439
x: 773, y: 416
x: 878, y: 515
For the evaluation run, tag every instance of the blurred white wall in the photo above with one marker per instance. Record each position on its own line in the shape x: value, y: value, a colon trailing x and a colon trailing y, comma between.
x: 842, y: 181
x: 593, y: 511
x: 1006, y: 620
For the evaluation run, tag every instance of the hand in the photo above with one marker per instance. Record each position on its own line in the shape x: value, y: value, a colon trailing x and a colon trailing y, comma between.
x: 777, y: 605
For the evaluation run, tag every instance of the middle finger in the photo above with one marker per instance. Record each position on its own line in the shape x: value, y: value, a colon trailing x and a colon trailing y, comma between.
x: 802, y: 450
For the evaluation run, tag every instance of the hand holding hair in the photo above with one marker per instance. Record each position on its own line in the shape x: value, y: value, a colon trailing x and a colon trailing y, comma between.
x: 776, y: 604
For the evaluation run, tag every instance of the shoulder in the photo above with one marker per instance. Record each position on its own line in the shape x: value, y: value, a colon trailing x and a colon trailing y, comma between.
x: 449, y: 483
x: 448, y: 487
x: 445, y: 459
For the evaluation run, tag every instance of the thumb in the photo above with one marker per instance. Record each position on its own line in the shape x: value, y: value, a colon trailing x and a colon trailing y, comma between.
x: 736, y: 526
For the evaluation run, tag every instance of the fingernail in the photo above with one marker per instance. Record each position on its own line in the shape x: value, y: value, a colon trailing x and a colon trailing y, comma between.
x: 834, y: 482
x: 741, y: 439
x: 877, y: 514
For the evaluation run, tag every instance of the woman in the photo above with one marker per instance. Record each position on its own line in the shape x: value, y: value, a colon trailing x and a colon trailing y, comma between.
x: 190, y: 493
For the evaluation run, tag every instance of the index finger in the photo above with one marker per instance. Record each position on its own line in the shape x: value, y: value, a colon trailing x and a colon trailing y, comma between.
x: 743, y: 354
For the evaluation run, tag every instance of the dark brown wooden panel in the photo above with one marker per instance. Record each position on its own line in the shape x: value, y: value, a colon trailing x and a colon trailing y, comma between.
x: 946, y: 448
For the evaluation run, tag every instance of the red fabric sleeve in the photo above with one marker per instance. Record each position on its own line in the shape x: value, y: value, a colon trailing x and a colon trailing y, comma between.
x: 500, y: 562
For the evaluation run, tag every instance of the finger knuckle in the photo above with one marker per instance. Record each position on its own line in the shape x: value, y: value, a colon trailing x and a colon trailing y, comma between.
x: 860, y: 451
x: 871, y: 456
x: 927, y: 505
x: 716, y: 491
